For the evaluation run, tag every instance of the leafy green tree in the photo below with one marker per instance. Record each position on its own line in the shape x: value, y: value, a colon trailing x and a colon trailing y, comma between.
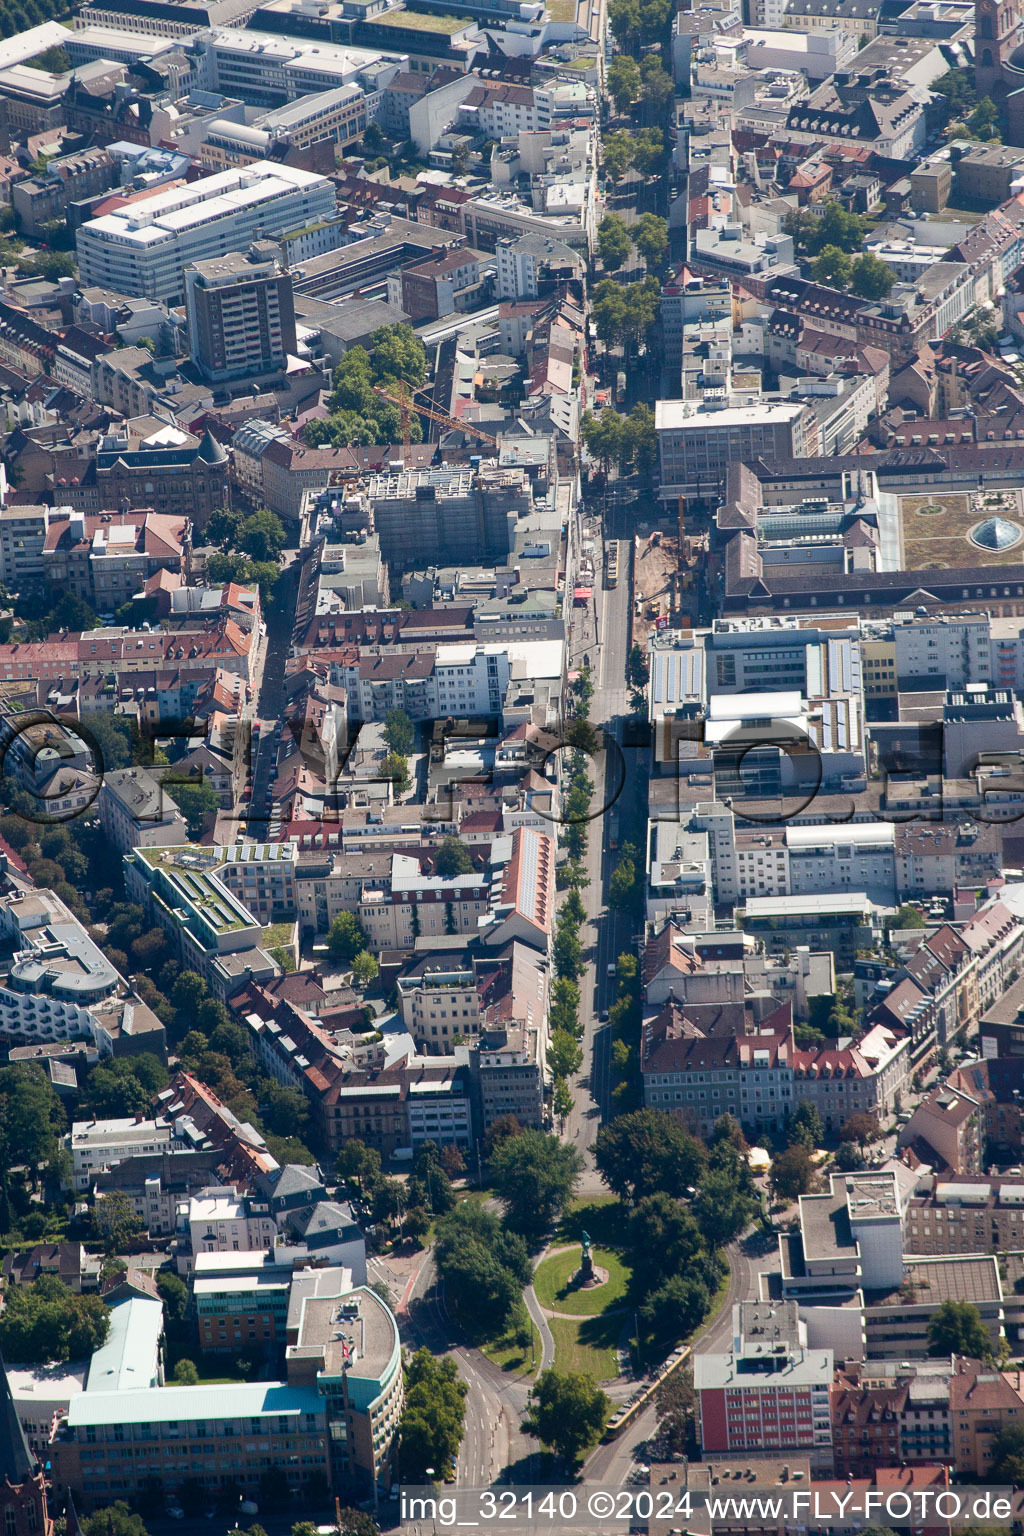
x: 395, y: 768
x: 535, y: 1176
x: 604, y: 436
x: 346, y: 937
x: 641, y: 436
x: 567, y: 952
x: 358, y: 1161
x: 833, y: 267
x: 562, y: 1101
x: 637, y: 669
x: 650, y: 151
x: 433, y: 1418
x: 608, y: 309
x: 622, y: 888
x: 723, y: 1208
x: 678, y: 1306
x: 262, y: 536
x: 398, y: 353
x: 355, y: 1522
x: 837, y: 226
x: 567, y: 1412
x: 389, y: 1200
x: 983, y: 122
x: 613, y: 242
x: 871, y: 277
x: 956, y: 1328
x: 617, y: 152
x: 650, y: 236
x: 1008, y: 1455
x: 848, y: 1157
x: 365, y: 969
x: 657, y: 90
x: 805, y: 1127
x: 224, y: 526
x: 49, y: 264
x: 861, y: 1128
x: 792, y: 1173
x: 452, y: 858
x: 484, y: 1266
x: 622, y: 78
x: 113, y: 1520
x: 638, y: 23
x: 957, y: 89
x: 399, y: 732
x: 565, y: 1054
x: 115, y: 1224
x: 185, y: 1374
x: 648, y: 1152
x: 564, y: 1008
x: 46, y: 1322
x: 31, y: 1117
x: 663, y: 1238
x: 196, y: 799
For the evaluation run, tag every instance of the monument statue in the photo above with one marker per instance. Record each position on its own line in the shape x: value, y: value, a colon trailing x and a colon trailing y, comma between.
x: 586, y: 1260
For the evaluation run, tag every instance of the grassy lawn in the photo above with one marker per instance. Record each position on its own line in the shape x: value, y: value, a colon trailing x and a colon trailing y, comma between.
x: 600, y: 1216
x: 588, y: 1345
x: 512, y: 1357
x: 562, y: 10
x: 551, y: 1283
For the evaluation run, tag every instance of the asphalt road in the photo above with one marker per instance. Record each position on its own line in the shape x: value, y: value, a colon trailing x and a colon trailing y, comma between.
x: 605, y: 934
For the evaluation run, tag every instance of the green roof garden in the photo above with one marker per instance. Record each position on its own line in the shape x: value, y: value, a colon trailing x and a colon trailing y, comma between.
x: 417, y: 21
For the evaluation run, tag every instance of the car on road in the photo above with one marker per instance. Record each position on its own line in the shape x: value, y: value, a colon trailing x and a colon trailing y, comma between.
x: 175, y: 1512
x: 603, y: 1016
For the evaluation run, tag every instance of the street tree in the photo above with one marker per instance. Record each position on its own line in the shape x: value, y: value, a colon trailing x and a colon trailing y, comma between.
x: 613, y: 242
x: 565, y: 1054
x: 805, y: 1126
x: 433, y: 1418
x: 562, y: 1101
x: 723, y: 1208
x: 535, y: 1176
x: 650, y: 236
x: 567, y: 1413
x: 647, y: 1152
x: 861, y: 1128
x: 622, y: 78
x: 617, y: 152
x: 792, y: 1173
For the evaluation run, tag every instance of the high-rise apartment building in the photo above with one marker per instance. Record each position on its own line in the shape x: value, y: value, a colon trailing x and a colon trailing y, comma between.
x: 241, y: 319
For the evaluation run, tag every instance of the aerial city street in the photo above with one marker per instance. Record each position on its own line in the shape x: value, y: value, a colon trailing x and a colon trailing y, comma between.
x: 511, y: 767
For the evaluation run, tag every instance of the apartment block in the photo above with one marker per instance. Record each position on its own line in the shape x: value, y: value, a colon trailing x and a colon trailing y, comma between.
x: 135, y: 812
x: 769, y: 1394
x: 697, y: 444
x: 142, y: 248
x: 241, y: 319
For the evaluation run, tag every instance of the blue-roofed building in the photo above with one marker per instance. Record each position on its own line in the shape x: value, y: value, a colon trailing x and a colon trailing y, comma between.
x: 130, y: 1358
x: 115, y: 1444
x: 331, y: 1425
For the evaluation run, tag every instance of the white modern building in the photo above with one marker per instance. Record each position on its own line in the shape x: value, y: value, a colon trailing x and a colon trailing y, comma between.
x: 135, y: 812
x: 99, y: 1144
x: 142, y: 248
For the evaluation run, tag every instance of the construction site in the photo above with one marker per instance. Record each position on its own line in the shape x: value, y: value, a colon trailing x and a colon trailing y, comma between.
x: 665, y: 591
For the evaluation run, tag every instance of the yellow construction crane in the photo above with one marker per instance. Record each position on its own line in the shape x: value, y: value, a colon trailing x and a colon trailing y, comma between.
x: 406, y: 407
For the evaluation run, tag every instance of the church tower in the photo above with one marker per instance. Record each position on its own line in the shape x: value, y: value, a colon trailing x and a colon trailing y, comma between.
x: 23, y: 1510
x: 997, y: 33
